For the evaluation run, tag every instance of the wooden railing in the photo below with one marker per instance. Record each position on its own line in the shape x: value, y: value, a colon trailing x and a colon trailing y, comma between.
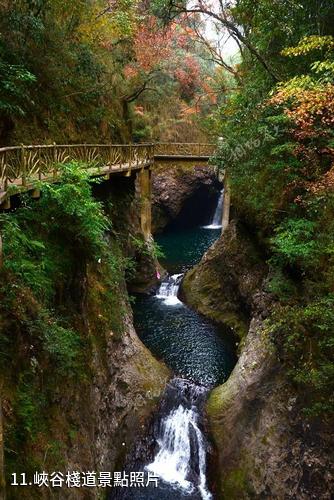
x: 22, y: 166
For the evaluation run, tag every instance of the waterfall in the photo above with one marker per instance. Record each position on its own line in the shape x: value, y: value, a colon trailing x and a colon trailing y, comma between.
x: 216, y: 222
x: 169, y: 289
x: 181, y: 456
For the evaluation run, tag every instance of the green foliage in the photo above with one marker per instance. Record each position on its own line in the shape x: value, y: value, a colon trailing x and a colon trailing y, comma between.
x: 63, y: 345
x: 139, y: 244
x: 64, y: 73
x: 30, y: 406
x: 43, y: 240
x: 157, y: 251
x: 25, y: 256
x: 76, y: 214
x: 52, y: 247
x: 309, y: 44
x: 295, y: 241
x: 130, y: 267
x: 14, y: 86
x: 61, y: 49
x: 280, y: 284
x: 149, y: 249
x: 304, y: 335
x: 47, y: 245
x: 276, y: 148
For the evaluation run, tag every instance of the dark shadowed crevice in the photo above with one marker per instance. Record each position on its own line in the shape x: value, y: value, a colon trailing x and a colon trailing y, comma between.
x: 198, y: 208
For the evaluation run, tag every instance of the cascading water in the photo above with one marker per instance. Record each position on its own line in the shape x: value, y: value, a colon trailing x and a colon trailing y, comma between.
x: 180, y: 440
x: 216, y: 222
x: 182, y: 448
x: 174, y: 450
x: 169, y: 289
x: 201, y: 355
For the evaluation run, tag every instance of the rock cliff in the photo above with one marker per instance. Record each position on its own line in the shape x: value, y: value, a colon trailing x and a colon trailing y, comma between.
x: 179, y: 192
x: 266, y: 446
x: 85, y: 415
x: 223, y: 285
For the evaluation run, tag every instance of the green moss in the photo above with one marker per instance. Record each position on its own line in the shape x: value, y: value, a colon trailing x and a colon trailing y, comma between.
x: 46, y: 343
x: 209, y: 299
x: 234, y: 485
x: 64, y: 307
x: 218, y: 401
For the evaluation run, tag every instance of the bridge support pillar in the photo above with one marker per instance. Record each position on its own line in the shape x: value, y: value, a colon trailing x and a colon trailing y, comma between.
x: 6, y: 204
x: 145, y: 190
x: 36, y: 193
x: 226, y: 203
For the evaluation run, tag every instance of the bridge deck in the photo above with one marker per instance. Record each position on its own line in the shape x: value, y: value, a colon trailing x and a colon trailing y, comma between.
x: 23, y: 167
x: 16, y: 187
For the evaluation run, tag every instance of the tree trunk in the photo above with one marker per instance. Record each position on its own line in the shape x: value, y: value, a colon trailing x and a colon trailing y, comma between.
x: 127, y: 120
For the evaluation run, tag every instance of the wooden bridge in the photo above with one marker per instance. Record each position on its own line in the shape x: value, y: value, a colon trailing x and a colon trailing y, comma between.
x: 22, y: 168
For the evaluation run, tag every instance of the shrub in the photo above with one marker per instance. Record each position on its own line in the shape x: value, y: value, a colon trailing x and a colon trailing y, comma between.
x: 63, y: 345
x: 43, y: 240
x: 304, y: 336
x: 295, y: 242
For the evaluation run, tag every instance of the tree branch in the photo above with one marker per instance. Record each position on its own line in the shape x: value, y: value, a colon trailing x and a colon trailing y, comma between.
x: 215, y: 53
x: 200, y: 8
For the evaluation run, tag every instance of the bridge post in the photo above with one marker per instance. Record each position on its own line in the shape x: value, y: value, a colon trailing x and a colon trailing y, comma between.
x: 145, y: 191
x: 226, y: 203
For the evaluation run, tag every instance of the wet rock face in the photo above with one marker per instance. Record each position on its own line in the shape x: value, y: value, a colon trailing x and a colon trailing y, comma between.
x: 182, y: 192
x: 112, y: 408
x: 124, y: 211
x: 266, y: 446
x: 223, y: 285
x: 91, y: 416
x: 124, y: 396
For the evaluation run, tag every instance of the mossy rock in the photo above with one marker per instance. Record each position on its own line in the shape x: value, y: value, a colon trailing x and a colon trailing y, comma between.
x: 222, y: 285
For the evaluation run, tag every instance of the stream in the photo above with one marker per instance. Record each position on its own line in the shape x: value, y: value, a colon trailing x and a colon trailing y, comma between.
x: 201, y: 356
